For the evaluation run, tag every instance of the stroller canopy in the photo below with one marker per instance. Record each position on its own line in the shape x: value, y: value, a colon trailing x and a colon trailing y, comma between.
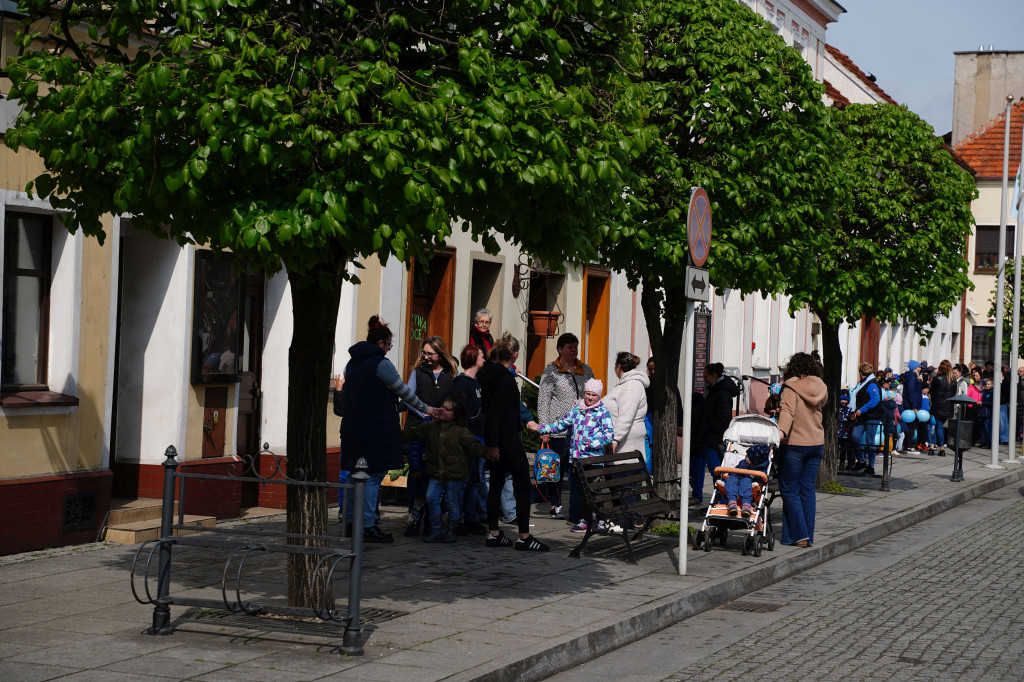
x: 751, y: 429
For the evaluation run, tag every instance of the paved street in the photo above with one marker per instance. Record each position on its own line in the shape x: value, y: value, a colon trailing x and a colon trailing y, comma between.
x: 940, y: 600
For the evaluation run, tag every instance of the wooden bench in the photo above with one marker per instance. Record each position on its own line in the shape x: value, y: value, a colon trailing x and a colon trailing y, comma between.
x: 620, y: 492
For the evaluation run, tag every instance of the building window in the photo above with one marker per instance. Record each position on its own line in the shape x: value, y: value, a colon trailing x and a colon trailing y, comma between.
x: 26, y: 301
x: 986, y: 247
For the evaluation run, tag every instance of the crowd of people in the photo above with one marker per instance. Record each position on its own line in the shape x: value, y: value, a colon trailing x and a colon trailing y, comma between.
x: 462, y: 438
x: 911, y: 412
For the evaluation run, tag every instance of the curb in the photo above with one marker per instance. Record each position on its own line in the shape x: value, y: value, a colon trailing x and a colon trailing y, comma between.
x: 549, y: 660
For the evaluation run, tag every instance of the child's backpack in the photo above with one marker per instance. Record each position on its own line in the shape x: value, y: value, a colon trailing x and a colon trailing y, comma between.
x: 547, y: 468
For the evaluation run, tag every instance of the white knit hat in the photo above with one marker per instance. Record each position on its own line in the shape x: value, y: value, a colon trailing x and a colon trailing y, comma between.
x: 594, y: 386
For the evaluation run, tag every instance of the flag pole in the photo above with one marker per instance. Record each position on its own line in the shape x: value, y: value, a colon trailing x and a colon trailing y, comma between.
x: 1011, y: 451
x: 997, y: 374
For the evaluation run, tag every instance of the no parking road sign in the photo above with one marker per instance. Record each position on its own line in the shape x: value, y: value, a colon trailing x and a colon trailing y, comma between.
x: 698, y: 226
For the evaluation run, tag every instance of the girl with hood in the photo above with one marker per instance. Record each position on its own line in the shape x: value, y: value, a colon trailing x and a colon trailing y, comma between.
x: 803, y: 443
x: 627, y: 404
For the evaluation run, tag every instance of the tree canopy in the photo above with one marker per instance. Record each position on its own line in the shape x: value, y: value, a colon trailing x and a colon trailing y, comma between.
x: 735, y: 110
x: 896, y: 247
x: 304, y: 131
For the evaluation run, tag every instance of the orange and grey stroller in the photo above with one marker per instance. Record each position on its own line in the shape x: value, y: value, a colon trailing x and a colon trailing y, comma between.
x: 745, y: 431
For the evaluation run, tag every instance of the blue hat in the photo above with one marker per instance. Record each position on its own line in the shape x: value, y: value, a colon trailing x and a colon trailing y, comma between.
x: 913, y: 364
x: 758, y: 454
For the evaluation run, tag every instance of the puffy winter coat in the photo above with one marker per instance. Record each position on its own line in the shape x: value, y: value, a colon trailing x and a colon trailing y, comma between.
x: 627, y: 403
x: 715, y: 414
x: 591, y: 429
x: 448, y: 448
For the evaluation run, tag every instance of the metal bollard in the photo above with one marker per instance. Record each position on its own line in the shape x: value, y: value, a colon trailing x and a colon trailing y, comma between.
x: 352, y: 640
x: 162, y: 610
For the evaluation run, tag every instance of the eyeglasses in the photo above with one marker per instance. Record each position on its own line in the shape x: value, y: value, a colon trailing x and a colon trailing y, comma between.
x: 428, y: 355
x: 483, y: 323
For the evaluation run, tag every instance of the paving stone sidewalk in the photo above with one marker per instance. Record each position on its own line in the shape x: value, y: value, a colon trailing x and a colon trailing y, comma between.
x: 460, y: 612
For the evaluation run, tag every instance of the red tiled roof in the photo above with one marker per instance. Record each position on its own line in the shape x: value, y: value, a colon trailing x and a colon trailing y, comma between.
x: 983, y: 149
x: 959, y: 160
x: 838, y: 99
x: 860, y: 75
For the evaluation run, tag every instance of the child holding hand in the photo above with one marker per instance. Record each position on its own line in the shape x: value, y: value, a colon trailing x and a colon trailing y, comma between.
x: 592, y: 430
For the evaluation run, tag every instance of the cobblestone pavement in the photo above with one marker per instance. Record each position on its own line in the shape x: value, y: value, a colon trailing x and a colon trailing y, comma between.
x: 949, y: 609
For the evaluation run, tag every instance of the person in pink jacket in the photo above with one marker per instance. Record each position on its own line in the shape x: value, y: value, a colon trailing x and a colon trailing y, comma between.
x: 803, y: 443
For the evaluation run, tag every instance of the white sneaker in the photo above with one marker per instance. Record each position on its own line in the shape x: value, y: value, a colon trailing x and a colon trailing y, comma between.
x: 615, y: 528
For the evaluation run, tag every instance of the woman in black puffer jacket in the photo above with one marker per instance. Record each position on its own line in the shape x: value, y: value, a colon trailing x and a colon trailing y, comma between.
x: 940, y: 391
x: 709, y: 427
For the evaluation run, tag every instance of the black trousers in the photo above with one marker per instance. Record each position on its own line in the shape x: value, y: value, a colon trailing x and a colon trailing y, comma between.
x: 520, y: 489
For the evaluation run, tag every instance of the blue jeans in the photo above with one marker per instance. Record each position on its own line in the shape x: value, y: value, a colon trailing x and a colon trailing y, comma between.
x: 700, y: 457
x: 475, y: 496
x: 864, y: 435
x: 1004, y: 423
x: 796, y: 483
x: 738, y: 485
x: 940, y: 433
x: 508, y: 499
x: 452, y: 499
x: 372, y: 496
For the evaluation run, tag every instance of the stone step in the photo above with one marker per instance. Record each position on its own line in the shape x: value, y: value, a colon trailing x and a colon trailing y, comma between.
x: 130, y: 511
x: 134, y: 532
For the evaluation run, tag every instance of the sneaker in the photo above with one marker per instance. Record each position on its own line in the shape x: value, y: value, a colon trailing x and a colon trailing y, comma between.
x: 499, y: 540
x: 733, y: 508
x: 869, y: 471
x: 747, y: 511
x: 556, y: 512
x: 375, y: 534
x: 614, y: 528
x: 580, y: 527
x: 531, y: 544
x: 601, y: 528
x: 942, y: 452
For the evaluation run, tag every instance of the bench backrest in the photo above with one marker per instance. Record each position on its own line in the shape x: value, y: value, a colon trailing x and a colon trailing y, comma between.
x: 615, y: 477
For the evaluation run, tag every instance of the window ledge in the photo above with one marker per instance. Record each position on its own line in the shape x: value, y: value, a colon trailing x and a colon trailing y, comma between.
x: 27, y: 399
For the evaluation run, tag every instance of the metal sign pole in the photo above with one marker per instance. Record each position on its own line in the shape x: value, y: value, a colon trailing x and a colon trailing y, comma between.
x: 687, y: 382
x: 997, y: 361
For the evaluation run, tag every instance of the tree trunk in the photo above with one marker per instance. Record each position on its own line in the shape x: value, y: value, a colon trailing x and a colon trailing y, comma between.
x: 314, y: 318
x: 832, y: 357
x: 666, y: 345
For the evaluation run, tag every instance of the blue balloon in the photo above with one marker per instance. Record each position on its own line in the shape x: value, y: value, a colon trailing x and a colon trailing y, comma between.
x: 923, y: 416
x: 909, y: 416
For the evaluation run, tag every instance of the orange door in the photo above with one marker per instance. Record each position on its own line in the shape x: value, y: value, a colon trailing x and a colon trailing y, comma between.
x: 431, y: 302
x: 596, y: 321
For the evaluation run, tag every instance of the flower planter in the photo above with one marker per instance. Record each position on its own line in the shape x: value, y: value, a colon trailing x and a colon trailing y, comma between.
x: 544, y: 322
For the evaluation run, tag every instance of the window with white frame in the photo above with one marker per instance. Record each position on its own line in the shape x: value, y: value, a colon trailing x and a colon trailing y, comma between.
x: 40, y: 306
x: 26, y: 301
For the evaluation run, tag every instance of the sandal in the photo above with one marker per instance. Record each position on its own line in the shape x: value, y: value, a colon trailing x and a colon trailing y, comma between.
x: 531, y: 544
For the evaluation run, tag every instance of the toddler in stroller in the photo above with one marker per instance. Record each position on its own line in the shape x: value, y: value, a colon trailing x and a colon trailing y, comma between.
x: 737, y: 488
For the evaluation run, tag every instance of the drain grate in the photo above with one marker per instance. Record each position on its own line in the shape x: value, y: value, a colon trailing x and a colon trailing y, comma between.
x: 751, y: 606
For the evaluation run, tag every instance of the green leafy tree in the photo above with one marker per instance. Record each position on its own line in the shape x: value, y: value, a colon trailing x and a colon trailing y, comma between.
x: 896, y: 248
x: 736, y: 111
x: 307, y: 135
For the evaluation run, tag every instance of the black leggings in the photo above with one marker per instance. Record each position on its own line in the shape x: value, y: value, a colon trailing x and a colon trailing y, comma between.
x: 521, y: 490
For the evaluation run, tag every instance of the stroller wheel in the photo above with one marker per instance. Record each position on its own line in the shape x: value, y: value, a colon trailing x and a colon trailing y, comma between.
x: 748, y: 545
x: 771, y: 541
x: 757, y: 546
x: 698, y: 538
x: 708, y: 539
x: 723, y: 534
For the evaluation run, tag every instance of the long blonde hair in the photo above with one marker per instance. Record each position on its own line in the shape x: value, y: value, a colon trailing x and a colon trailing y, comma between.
x: 441, y: 348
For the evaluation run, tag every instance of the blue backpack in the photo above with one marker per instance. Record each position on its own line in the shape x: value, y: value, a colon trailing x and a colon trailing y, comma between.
x: 547, y: 468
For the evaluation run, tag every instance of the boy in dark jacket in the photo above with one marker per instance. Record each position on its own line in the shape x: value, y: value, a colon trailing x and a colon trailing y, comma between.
x: 448, y: 445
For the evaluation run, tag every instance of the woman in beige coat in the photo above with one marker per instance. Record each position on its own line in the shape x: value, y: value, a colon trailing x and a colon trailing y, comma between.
x: 803, y: 443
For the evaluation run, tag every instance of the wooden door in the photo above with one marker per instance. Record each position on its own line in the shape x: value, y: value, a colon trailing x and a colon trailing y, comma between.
x: 596, y: 321
x: 431, y: 305
x: 250, y: 393
x: 870, y: 333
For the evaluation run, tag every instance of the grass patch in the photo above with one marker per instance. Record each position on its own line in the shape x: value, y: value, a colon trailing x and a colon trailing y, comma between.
x: 836, y: 488
x: 672, y: 530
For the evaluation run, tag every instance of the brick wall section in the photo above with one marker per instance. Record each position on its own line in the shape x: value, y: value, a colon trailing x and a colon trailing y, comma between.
x: 274, y: 496
x: 32, y: 509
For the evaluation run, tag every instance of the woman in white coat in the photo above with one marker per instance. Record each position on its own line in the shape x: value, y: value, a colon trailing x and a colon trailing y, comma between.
x: 627, y: 403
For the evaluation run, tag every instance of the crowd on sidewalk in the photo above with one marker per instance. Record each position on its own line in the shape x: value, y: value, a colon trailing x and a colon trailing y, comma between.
x: 462, y: 441
x: 913, y: 411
